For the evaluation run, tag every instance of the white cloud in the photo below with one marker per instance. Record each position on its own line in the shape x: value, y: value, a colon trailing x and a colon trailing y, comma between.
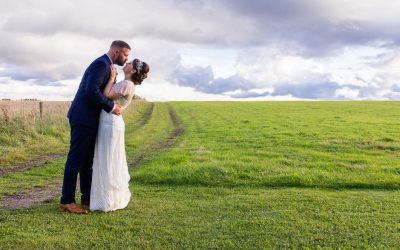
x: 13, y: 89
x: 347, y: 93
x: 383, y: 11
x: 225, y: 49
x: 153, y: 91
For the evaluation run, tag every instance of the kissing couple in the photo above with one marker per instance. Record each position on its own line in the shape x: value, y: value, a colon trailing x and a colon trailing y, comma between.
x: 97, y: 147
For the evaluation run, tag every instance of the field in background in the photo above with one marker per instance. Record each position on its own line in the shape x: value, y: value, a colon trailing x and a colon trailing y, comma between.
x: 30, y: 109
x: 31, y: 130
x: 283, y: 144
x: 231, y: 175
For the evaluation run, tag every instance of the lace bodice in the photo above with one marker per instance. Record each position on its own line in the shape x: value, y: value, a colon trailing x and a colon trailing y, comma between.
x: 127, y: 88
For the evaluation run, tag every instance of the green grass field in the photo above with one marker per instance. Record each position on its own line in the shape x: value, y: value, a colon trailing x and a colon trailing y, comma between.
x: 231, y: 175
x: 284, y: 144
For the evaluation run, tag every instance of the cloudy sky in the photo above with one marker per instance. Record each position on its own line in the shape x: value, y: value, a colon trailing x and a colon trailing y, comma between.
x: 207, y: 49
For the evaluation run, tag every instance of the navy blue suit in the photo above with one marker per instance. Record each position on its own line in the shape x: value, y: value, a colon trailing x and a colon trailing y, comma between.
x: 84, y: 120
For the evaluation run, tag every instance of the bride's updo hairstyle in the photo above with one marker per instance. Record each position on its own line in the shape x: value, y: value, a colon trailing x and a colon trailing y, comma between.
x: 142, y: 69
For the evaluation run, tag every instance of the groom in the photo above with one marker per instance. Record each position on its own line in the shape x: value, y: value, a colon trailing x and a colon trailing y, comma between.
x: 84, y: 119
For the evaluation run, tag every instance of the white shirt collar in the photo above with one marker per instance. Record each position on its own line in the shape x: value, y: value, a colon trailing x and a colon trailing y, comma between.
x: 109, y: 58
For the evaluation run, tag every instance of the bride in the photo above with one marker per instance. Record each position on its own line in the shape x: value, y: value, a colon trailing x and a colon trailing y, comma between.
x: 110, y: 179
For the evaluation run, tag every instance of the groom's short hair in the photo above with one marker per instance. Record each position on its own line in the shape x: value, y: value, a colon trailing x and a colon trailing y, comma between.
x: 120, y: 44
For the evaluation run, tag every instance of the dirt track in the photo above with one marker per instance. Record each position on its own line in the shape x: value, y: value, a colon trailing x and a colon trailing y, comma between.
x: 39, y: 196
x: 29, y: 164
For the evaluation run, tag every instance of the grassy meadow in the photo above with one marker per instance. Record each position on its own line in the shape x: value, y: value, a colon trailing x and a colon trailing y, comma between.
x: 25, y: 133
x: 228, y: 175
x: 283, y: 144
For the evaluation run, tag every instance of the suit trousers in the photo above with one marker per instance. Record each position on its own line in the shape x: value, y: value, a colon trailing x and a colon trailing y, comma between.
x: 79, y: 160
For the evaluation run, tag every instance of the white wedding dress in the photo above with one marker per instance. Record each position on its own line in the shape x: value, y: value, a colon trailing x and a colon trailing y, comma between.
x: 110, y: 178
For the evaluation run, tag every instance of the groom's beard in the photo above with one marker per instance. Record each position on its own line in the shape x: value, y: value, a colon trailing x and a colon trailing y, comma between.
x: 120, y: 61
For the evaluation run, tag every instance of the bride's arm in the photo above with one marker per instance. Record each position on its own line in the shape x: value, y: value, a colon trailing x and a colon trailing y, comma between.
x: 108, y: 91
x: 130, y: 95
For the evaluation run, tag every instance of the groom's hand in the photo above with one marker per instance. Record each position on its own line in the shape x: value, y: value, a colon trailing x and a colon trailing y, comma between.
x: 117, y: 110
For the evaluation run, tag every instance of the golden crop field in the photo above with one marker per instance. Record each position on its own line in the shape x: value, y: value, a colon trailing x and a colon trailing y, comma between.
x: 11, y: 109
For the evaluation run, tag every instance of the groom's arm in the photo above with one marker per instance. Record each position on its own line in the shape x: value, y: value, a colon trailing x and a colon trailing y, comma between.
x: 94, y: 80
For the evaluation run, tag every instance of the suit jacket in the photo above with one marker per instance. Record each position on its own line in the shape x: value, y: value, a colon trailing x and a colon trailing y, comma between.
x: 89, y: 99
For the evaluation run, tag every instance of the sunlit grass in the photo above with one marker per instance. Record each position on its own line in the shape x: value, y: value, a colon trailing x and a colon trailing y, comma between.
x: 275, y: 144
x: 259, y: 175
x: 170, y: 217
x: 24, y: 138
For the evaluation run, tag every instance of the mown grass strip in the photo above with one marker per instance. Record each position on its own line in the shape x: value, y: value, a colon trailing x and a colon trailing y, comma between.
x: 171, y: 217
x: 39, y: 177
x: 345, y: 145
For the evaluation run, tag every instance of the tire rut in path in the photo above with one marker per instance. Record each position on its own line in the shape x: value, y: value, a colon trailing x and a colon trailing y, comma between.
x: 29, y: 164
x: 177, y: 131
x: 38, y: 196
x: 146, y: 117
x: 51, y: 157
x: 35, y: 197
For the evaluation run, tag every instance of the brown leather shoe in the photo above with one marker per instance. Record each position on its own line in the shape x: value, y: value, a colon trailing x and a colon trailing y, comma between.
x: 85, y: 203
x: 72, y: 208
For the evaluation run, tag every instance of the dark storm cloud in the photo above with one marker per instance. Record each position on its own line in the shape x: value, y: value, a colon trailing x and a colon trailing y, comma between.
x: 38, y: 76
x: 54, y: 40
x: 396, y: 88
x: 196, y: 77
x: 202, y: 79
x: 232, y: 83
x: 317, y: 90
x: 251, y: 94
x: 302, y: 25
x: 20, y: 73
